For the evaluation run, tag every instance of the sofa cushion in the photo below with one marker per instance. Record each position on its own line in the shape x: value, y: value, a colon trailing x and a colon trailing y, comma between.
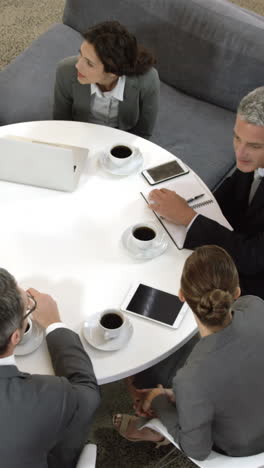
x: 198, y: 132
x: 211, y: 49
x: 27, y: 83
x: 214, y: 50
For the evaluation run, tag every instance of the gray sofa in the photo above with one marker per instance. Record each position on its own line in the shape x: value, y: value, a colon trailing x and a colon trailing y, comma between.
x: 209, y: 54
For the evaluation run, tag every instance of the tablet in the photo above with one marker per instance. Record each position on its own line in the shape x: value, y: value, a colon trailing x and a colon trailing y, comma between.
x: 154, y: 304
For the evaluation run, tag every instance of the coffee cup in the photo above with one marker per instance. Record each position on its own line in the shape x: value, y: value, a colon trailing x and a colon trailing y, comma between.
x: 27, y: 333
x: 143, y: 235
x: 111, y: 322
x: 121, y: 153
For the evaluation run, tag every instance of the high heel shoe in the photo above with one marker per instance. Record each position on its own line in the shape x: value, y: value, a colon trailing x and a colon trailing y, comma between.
x: 122, y: 429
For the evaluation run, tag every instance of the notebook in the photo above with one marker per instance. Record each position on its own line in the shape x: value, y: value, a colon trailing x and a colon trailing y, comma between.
x: 189, y: 186
x: 40, y: 163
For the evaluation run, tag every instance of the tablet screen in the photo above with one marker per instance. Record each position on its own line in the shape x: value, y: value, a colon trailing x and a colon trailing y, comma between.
x: 155, y: 304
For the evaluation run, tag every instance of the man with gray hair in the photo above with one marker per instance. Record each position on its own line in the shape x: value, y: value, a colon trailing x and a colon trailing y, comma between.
x: 44, y: 419
x: 241, y: 198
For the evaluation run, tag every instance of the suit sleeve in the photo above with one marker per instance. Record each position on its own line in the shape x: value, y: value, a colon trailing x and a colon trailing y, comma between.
x: 70, y: 360
x: 63, y: 100
x: 247, y: 251
x: 149, y: 105
x: 81, y: 395
x: 195, y: 415
x: 190, y: 422
x: 168, y: 415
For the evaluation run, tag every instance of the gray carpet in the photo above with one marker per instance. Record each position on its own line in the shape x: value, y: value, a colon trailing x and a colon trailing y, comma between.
x: 254, y: 5
x: 20, y: 23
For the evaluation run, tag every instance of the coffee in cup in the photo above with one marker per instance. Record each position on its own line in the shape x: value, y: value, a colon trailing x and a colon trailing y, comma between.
x: 121, y: 151
x: 120, y: 154
x: 111, y: 322
x: 27, y: 333
x: 143, y: 235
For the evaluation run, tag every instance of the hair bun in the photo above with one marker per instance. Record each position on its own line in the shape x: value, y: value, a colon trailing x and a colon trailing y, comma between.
x: 214, y: 306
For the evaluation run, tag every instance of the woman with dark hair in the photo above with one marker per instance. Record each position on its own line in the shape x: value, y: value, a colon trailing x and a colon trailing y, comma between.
x: 112, y: 82
x: 216, y: 399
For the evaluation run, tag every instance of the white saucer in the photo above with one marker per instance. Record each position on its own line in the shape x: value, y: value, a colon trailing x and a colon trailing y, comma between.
x: 94, y: 335
x: 33, y: 343
x: 159, y: 245
x: 133, y: 165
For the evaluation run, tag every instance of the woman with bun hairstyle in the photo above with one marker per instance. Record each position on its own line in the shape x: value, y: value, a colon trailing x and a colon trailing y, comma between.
x: 216, y: 399
x: 111, y: 82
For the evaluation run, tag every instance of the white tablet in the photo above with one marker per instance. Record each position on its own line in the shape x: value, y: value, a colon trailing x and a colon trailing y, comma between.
x: 154, y: 304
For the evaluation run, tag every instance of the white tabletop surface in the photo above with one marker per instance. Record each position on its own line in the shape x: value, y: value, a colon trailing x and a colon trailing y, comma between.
x: 68, y: 245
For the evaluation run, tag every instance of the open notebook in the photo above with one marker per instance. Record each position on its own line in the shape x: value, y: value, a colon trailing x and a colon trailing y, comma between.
x: 188, y: 186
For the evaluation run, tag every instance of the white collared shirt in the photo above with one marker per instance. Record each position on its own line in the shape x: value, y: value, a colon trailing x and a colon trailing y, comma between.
x: 54, y: 326
x: 8, y: 361
x: 260, y: 171
x: 105, y: 106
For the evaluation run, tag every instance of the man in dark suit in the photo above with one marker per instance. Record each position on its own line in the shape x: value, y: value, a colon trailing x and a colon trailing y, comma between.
x: 44, y: 419
x: 241, y: 198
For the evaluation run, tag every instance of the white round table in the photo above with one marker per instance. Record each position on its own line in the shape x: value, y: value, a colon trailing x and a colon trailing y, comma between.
x: 68, y: 245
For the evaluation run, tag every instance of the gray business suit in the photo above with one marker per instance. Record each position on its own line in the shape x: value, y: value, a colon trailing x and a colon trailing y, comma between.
x: 44, y: 419
x: 137, y: 112
x: 219, y: 392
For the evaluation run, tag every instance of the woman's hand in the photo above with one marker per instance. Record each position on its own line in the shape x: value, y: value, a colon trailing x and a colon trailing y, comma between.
x: 143, y: 406
x: 170, y: 395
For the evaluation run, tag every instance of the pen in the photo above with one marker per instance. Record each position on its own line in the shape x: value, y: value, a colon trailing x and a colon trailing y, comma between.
x: 195, y: 198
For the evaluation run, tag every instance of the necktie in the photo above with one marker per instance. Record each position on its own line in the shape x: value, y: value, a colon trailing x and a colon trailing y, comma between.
x: 254, y: 186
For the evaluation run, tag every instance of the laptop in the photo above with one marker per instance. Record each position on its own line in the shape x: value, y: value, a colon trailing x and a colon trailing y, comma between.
x: 40, y: 163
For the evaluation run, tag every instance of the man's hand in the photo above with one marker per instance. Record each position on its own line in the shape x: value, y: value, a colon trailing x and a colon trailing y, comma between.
x: 46, y: 311
x: 171, y: 206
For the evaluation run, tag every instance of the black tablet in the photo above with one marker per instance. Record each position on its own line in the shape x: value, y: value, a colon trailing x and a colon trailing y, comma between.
x: 154, y: 304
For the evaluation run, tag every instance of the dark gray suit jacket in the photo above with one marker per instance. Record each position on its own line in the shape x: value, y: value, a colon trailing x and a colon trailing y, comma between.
x: 137, y: 112
x: 219, y: 392
x: 246, y: 243
x: 44, y: 419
